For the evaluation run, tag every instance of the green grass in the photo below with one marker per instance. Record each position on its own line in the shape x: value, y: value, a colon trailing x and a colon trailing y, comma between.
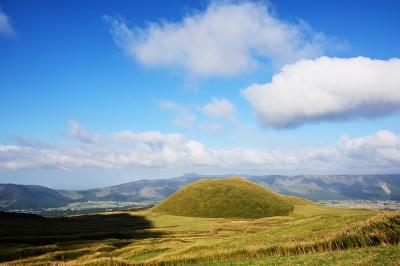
x: 225, y: 198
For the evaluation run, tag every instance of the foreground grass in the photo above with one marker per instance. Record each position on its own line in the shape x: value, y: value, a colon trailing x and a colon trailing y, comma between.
x: 311, y: 234
x: 381, y: 230
x: 381, y: 255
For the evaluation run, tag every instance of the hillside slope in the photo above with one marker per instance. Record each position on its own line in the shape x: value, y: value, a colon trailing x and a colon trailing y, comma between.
x: 26, y: 197
x: 225, y: 198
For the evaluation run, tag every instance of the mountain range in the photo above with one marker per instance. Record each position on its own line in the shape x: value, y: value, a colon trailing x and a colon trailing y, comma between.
x: 314, y: 187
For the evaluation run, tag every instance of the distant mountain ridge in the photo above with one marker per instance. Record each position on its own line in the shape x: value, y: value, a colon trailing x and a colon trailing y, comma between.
x: 314, y: 187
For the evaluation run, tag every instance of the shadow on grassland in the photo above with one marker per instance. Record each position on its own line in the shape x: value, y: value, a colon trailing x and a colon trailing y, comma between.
x: 34, y: 229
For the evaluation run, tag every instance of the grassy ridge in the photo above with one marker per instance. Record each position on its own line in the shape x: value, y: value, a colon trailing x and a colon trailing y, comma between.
x: 226, y: 198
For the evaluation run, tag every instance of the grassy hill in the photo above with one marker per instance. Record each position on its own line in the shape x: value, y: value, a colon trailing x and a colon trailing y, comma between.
x: 225, y: 198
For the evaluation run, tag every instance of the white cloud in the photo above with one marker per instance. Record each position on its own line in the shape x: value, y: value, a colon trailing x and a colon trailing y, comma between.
x: 327, y: 89
x: 220, y: 109
x: 379, y: 149
x: 226, y: 39
x: 147, y: 137
x: 14, y: 157
x: 376, y: 153
x: 5, y: 24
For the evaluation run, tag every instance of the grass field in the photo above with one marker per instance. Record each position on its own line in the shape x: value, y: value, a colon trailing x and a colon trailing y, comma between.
x: 311, y: 235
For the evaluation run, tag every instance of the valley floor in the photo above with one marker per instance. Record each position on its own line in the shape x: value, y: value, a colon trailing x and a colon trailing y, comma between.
x: 311, y: 234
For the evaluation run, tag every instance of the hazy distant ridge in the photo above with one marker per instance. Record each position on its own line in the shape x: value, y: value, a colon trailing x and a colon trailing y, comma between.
x: 332, y: 187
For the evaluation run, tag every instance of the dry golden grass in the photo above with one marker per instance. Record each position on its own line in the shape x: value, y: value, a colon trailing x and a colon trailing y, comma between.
x: 310, y: 229
x: 383, y: 229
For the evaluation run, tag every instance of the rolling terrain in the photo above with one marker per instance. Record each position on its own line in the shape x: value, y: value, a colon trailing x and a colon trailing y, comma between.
x: 308, y: 234
x: 328, y: 187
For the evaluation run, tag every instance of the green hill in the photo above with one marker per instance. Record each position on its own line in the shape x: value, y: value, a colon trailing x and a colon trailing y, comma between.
x: 225, y: 198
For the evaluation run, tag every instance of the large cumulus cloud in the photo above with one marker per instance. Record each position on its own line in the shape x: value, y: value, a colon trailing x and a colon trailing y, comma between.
x: 226, y: 39
x: 327, y: 89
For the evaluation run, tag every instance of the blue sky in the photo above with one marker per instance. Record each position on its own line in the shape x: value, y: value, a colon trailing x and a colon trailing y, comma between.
x: 103, y: 92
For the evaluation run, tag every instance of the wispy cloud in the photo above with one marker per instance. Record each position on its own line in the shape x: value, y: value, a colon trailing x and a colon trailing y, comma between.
x: 226, y: 39
x: 184, y: 117
x: 77, y: 132
x: 190, y: 116
x: 5, y: 24
x: 327, y: 89
x: 211, y: 127
x: 379, y: 152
